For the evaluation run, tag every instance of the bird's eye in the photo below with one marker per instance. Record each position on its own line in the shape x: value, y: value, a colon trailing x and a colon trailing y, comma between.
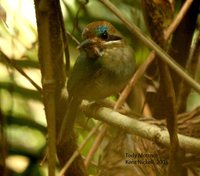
x: 104, y: 35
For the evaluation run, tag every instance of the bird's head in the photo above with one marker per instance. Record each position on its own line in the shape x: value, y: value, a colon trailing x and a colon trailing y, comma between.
x: 100, y: 35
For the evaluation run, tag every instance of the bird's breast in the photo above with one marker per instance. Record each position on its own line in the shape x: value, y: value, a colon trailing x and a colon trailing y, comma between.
x: 119, y: 61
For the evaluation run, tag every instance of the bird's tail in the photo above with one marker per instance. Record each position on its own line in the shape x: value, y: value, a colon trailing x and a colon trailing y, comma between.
x: 69, y: 119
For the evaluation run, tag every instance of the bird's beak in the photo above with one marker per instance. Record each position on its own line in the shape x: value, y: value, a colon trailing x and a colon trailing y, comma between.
x: 86, y: 43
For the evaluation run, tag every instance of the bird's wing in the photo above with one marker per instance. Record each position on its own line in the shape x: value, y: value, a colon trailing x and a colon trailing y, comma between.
x: 84, y: 72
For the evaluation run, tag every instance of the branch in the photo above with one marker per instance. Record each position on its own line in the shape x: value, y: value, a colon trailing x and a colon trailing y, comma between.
x: 142, y: 129
x: 79, y: 149
x: 192, y: 67
x: 178, y: 19
x: 44, y: 12
x: 95, y: 145
x: 20, y: 70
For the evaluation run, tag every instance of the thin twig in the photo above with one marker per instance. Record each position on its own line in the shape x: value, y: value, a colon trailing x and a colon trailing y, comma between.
x: 73, y: 37
x: 20, y: 70
x: 191, y: 67
x: 96, y: 144
x: 178, y: 19
x: 79, y: 149
x: 138, y: 74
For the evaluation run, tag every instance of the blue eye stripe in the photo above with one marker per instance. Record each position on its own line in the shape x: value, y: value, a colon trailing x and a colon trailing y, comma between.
x: 101, y: 29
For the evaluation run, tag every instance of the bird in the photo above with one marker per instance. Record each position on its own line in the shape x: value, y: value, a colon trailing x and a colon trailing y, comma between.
x: 104, y: 66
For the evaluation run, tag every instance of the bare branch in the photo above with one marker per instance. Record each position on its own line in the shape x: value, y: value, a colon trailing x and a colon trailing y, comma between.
x: 20, y: 70
x: 77, y: 152
x: 133, y: 126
